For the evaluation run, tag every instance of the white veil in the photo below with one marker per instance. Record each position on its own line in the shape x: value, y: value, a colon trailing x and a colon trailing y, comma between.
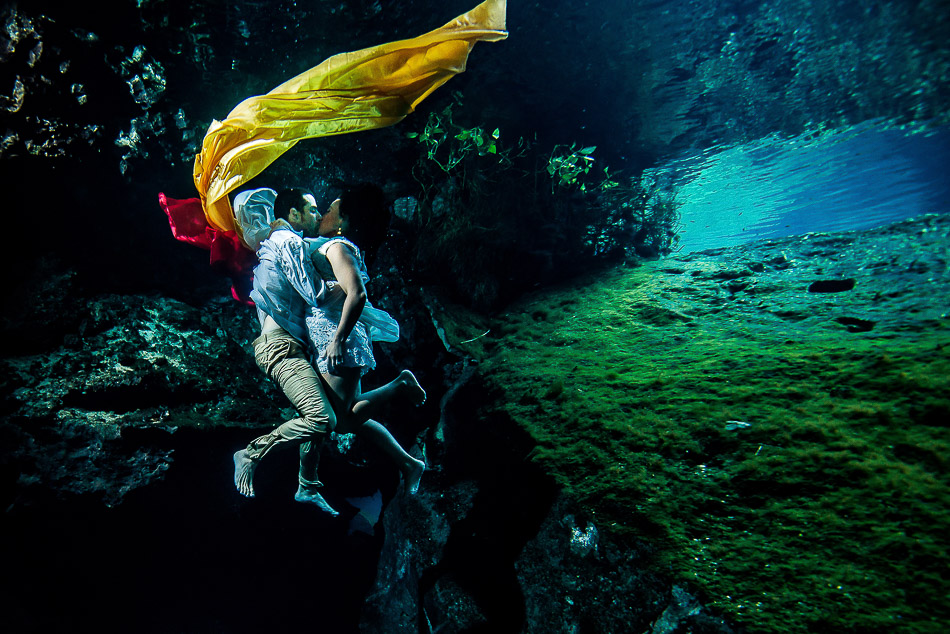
x: 254, y: 213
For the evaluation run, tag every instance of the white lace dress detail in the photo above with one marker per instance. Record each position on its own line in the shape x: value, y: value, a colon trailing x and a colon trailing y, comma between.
x: 322, y: 324
x: 373, y: 325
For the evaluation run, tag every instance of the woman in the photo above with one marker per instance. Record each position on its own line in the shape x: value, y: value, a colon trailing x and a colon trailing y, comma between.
x: 342, y: 328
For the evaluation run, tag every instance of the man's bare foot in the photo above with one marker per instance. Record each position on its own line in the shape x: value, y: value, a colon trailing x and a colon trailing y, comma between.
x: 415, y: 392
x: 412, y: 474
x: 244, y: 473
x: 309, y: 495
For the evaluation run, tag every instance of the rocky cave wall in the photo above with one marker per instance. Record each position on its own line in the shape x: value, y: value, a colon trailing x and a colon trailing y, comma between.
x: 120, y: 416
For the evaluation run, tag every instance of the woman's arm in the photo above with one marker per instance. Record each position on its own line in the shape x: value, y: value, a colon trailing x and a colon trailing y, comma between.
x: 346, y: 271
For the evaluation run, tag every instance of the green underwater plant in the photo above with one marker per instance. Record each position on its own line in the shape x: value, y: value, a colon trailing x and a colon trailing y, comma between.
x: 567, y: 164
x: 447, y: 143
x: 498, y: 217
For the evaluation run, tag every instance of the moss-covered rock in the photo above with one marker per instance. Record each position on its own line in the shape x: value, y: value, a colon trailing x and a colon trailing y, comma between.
x: 784, y: 449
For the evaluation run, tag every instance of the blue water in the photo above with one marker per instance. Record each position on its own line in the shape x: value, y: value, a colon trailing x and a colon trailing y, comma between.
x: 853, y: 178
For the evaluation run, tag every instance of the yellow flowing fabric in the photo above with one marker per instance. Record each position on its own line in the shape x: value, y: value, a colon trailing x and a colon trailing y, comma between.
x: 372, y: 88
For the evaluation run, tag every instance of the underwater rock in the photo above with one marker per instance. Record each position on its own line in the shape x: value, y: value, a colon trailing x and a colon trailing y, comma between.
x: 488, y: 545
x: 789, y: 281
x: 571, y: 584
x: 125, y: 409
x: 406, y: 208
x: 448, y: 564
x: 144, y: 76
x: 573, y: 573
x: 125, y: 363
x: 646, y: 251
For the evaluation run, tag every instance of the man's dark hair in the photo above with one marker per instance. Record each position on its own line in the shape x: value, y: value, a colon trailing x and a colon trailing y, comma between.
x: 288, y: 199
x: 368, y: 212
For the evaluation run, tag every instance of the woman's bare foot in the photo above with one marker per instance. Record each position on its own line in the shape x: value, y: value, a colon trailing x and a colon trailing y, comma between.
x: 244, y: 473
x: 412, y: 474
x: 309, y: 495
x: 412, y: 388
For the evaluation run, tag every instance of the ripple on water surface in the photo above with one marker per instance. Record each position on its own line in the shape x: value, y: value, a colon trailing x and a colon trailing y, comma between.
x: 852, y: 178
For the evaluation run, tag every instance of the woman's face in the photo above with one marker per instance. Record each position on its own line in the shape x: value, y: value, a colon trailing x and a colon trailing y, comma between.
x: 332, y: 224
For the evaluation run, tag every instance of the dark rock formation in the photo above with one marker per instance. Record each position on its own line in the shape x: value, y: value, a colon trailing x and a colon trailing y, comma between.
x: 120, y: 414
x: 117, y: 482
x: 450, y: 553
x: 577, y: 579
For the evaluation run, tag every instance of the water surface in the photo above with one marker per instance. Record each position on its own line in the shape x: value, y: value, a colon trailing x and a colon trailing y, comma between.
x: 857, y: 177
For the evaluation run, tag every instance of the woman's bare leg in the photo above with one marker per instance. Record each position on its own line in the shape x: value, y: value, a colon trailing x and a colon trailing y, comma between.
x: 411, y: 468
x: 362, y: 406
x: 344, y: 393
x: 368, y: 403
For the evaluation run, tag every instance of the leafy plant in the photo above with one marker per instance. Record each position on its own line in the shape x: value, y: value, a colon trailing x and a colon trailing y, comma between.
x: 447, y: 144
x: 498, y: 218
x: 566, y: 165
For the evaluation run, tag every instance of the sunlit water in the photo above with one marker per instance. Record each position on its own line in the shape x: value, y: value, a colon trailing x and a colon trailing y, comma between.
x: 854, y: 178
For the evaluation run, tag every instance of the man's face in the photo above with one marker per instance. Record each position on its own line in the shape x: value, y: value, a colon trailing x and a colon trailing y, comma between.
x: 307, y: 219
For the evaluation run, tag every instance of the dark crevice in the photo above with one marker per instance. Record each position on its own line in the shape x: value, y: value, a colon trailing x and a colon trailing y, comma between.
x: 148, y: 393
x: 514, y: 497
x: 832, y: 286
x: 188, y: 554
x: 856, y: 325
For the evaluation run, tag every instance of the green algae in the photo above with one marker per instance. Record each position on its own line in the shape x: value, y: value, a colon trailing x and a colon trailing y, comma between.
x: 795, y: 476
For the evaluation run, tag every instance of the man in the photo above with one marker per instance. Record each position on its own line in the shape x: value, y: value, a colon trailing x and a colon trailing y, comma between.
x: 285, y: 286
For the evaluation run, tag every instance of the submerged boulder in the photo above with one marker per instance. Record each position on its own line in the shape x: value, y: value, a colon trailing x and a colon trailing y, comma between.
x: 127, y: 364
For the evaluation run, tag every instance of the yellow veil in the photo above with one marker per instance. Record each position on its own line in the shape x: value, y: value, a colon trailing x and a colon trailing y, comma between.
x: 371, y: 88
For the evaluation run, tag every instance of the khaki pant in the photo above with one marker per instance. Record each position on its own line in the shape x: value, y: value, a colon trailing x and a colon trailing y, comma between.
x: 282, y: 359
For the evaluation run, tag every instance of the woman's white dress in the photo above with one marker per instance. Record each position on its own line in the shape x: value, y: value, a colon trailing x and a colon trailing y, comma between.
x: 373, y: 324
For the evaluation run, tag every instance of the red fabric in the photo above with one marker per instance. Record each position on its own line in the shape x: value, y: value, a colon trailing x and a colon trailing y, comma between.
x: 229, y: 256
x: 187, y: 220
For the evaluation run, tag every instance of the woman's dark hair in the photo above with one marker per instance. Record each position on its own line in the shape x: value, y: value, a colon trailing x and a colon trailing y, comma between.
x: 288, y: 199
x: 367, y: 210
